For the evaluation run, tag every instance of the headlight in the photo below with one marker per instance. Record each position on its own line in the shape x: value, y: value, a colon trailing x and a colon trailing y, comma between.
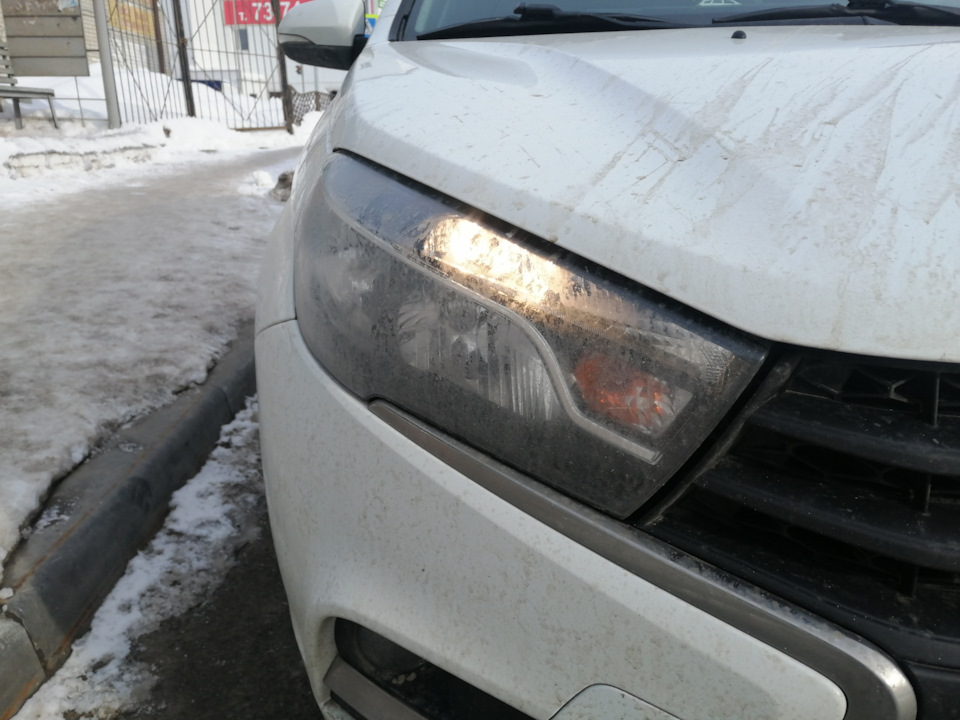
x: 573, y: 375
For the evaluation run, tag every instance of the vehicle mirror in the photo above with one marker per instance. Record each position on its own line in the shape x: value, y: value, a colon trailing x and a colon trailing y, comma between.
x: 327, y: 33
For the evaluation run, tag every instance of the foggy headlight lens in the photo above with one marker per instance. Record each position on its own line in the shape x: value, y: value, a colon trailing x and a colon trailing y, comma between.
x: 575, y: 376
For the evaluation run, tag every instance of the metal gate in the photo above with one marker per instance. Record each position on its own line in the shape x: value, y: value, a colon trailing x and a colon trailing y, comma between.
x: 214, y: 59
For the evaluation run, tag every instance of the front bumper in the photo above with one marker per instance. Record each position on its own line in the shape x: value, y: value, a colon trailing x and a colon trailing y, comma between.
x: 372, y: 527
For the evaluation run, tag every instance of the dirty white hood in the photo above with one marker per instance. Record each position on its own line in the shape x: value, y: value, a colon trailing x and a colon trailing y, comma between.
x: 800, y: 184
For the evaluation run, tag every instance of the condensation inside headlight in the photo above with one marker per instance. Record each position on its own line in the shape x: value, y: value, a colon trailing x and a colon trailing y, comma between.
x: 573, y: 375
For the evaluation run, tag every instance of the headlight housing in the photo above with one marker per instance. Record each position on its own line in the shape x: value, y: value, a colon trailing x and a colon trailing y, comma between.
x: 565, y: 371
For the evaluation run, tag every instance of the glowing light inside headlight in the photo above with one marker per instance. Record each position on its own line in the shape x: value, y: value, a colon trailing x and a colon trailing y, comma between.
x: 467, y: 249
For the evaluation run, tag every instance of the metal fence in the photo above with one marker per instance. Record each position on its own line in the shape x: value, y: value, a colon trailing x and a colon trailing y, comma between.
x: 215, y: 59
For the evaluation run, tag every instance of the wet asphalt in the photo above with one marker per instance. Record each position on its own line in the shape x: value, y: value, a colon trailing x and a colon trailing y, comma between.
x: 234, y: 655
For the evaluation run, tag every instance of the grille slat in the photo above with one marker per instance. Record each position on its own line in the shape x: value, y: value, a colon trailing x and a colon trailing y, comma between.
x: 902, y: 440
x: 870, y: 521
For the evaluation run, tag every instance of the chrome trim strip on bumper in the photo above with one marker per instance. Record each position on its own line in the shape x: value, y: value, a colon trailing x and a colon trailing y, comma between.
x: 875, y: 687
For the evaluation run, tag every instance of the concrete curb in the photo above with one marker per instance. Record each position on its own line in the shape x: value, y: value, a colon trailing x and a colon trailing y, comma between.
x: 107, y: 509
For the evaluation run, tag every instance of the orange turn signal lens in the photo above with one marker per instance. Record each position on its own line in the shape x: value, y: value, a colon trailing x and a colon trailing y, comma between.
x: 621, y: 392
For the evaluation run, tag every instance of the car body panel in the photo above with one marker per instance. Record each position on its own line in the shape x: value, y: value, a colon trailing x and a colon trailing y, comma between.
x: 770, y: 182
x: 604, y: 701
x: 275, y: 287
x: 417, y: 552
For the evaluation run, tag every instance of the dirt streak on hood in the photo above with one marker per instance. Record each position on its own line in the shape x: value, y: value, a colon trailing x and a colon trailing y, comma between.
x: 800, y: 184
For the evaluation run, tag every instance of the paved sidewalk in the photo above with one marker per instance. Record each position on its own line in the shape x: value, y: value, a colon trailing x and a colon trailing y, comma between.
x: 78, y: 324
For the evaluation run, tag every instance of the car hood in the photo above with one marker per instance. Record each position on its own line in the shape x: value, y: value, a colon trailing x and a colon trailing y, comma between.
x: 799, y: 183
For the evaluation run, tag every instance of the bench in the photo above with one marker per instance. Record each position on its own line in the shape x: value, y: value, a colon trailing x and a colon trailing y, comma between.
x: 9, y: 89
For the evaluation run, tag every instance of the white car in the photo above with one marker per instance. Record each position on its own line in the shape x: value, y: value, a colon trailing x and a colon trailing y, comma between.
x: 608, y: 356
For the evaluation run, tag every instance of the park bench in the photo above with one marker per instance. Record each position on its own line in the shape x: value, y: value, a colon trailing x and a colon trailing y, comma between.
x: 9, y: 89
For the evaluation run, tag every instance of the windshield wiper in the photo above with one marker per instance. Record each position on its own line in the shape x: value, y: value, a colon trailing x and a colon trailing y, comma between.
x: 888, y: 11
x: 545, y: 19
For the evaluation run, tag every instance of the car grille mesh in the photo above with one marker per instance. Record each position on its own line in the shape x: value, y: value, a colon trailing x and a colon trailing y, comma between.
x: 841, y: 493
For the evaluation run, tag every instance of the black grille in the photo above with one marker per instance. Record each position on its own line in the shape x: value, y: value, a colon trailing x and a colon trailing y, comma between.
x: 928, y: 393
x: 841, y: 493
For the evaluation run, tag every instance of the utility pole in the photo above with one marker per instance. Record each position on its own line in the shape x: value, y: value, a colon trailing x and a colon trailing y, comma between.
x: 285, y: 87
x: 106, y: 63
x: 158, y: 36
x: 184, y: 59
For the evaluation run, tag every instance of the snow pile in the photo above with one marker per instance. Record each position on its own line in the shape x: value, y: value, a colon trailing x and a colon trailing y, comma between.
x: 253, y: 108
x: 79, y: 144
x: 141, y: 96
x: 212, y: 516
x: 68, y: 91
x: 35, y: 153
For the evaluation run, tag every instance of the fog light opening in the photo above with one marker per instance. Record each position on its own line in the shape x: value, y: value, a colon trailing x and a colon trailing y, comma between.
x: 374, y: 654
x: 429, y: 691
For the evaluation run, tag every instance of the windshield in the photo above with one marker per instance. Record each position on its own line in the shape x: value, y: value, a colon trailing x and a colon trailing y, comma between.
x: 430, y: 19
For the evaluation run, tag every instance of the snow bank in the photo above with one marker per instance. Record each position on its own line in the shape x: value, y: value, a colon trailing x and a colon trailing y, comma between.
x: 143, y: 97
x: 120, y: 284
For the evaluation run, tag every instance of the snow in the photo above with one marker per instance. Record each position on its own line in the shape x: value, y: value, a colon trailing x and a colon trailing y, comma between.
x: 211, y: 517
x: 123, y: 276
x: 82, y: 98
x: 128, y: 259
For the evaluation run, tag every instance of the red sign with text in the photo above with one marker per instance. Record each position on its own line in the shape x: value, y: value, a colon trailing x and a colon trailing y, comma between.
x: 253, y: 12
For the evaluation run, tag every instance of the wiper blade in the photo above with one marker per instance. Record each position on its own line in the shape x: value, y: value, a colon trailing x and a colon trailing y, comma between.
x: 890, y: 11
x: 545, y: 19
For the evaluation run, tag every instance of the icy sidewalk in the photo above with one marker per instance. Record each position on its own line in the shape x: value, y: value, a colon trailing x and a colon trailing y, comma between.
x: 115, y: 298
x: 119, y: 291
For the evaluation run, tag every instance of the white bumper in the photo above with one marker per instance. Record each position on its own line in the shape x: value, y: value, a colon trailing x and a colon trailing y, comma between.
x: 372, y: 528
